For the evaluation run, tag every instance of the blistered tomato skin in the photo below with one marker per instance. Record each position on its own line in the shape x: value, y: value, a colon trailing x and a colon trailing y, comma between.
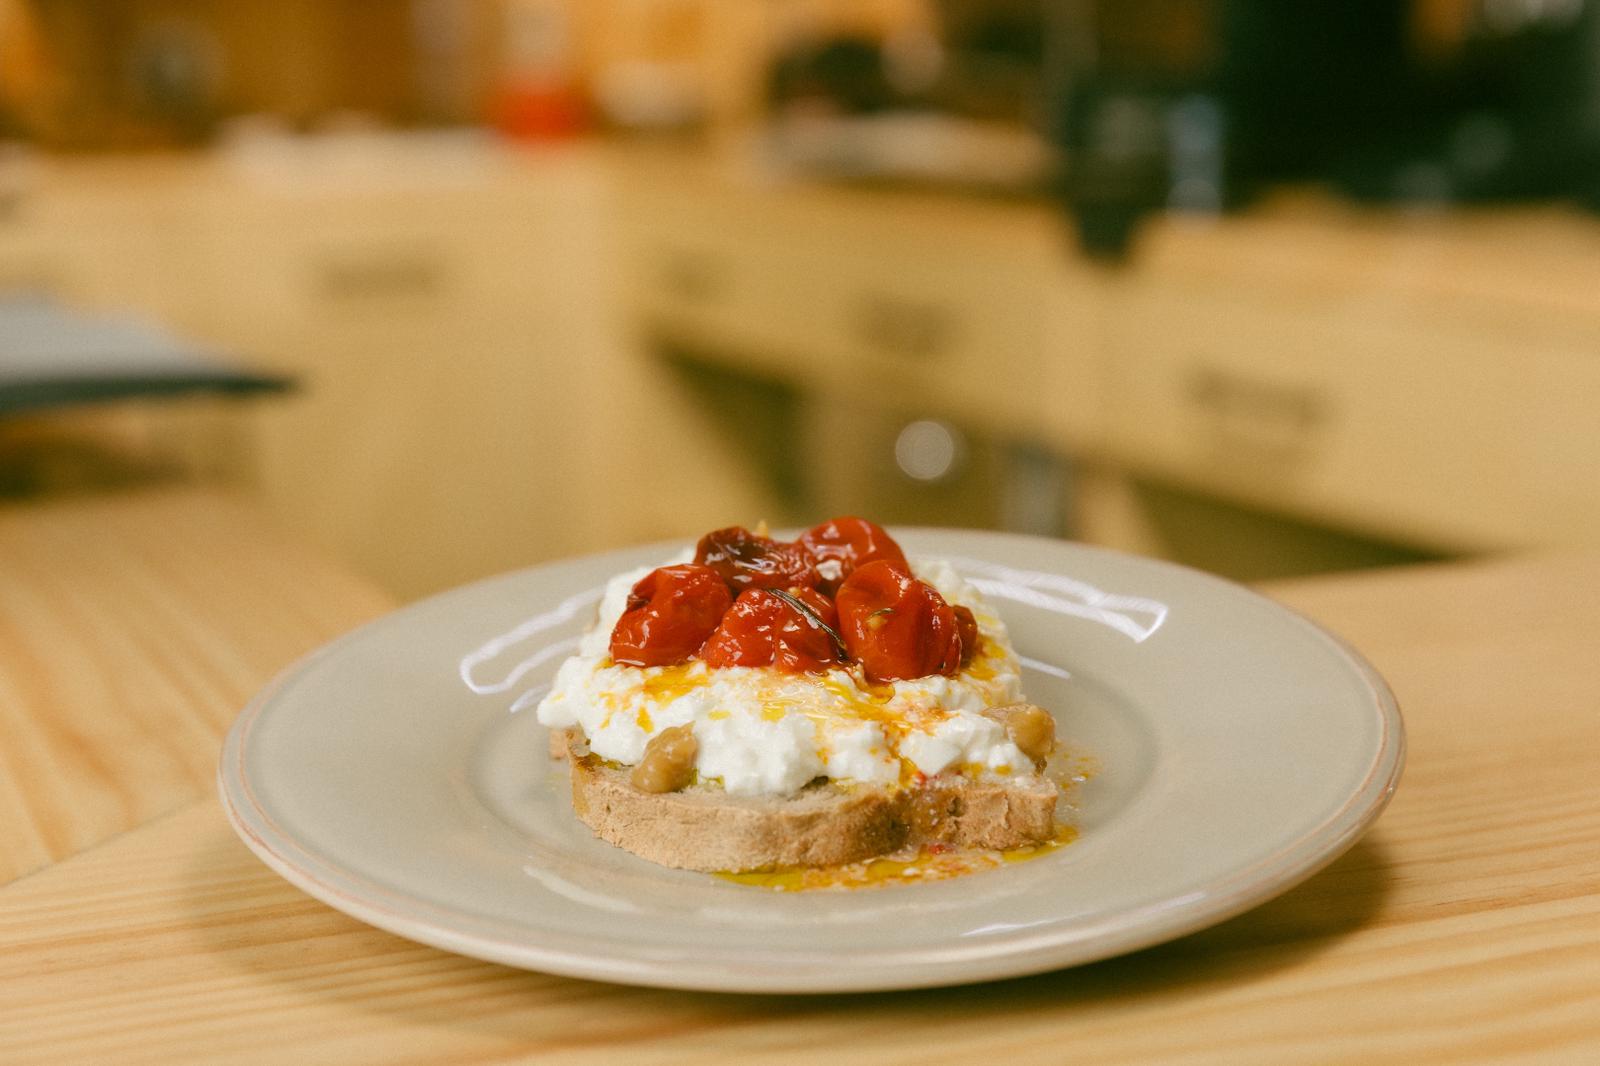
x: 967, y: 626
x: 746, y: 560
x: 764, y: 629
x: 897, y: 627
x: 842, y: 544
x: 670, y: 613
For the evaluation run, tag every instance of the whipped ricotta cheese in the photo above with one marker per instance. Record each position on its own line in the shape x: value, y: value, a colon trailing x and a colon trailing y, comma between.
x: 762, y: 732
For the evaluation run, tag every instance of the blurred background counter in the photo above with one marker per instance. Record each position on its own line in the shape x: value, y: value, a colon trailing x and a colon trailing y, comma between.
x: 437, y: 300
x: 1311, y: 384
x: 557, y: 277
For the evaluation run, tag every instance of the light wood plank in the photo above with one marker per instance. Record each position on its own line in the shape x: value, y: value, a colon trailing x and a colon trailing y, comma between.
x: 1462, y: 929
x: 132, y: 630
x: 174, y: 944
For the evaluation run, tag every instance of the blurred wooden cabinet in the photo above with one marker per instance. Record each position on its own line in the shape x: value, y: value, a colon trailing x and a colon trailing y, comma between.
x: 115, y: 240
x: 892, y: 308
x: 454, y: 346
x: 1329, y: 377
x: 464, y: 391
x: 474, y: 342
x: 1406, y: 379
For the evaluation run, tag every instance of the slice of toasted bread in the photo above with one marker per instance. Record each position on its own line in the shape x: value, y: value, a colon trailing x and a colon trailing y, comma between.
x: 704, y: 828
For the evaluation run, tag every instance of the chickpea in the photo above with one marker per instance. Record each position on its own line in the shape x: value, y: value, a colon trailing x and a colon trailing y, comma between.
x: 1030, y: 728
x: 668, y: 763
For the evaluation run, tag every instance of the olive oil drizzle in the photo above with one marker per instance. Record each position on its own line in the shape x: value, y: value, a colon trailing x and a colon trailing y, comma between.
x: 920, y: 866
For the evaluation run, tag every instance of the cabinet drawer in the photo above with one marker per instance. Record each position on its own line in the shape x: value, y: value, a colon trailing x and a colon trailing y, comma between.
x: 936, y: 323
x: 297, y: 259
x: 722, y: 278
x: 1384, y: 416
x: 850, y: 300
x: 375, y: 255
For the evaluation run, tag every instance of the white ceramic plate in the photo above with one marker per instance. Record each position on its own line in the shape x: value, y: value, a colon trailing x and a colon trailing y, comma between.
x: 399, y: 775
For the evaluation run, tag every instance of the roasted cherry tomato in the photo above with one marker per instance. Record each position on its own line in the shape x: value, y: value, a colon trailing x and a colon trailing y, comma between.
x: 766, y: 628
x: 670, y: 613
x: 748, y: 561
x: 896, y: 626
x: 967, y: 625
x: 842, y: 544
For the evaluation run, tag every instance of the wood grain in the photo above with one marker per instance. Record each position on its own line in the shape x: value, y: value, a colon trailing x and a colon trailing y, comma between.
x: 1461, y: 929
x: 187, y: 949
x: 132, y: 630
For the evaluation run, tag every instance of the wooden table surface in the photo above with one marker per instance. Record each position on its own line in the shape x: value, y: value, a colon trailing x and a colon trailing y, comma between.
x: 135, y: 928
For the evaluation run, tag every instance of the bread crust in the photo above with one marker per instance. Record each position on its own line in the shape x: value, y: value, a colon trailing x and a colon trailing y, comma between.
x: 704, y: 828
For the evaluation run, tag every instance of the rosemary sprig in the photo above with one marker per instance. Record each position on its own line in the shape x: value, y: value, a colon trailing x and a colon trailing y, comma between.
x: 815, y: 619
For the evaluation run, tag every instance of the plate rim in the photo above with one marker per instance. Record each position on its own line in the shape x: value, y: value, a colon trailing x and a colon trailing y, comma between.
x: 822, y: 971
